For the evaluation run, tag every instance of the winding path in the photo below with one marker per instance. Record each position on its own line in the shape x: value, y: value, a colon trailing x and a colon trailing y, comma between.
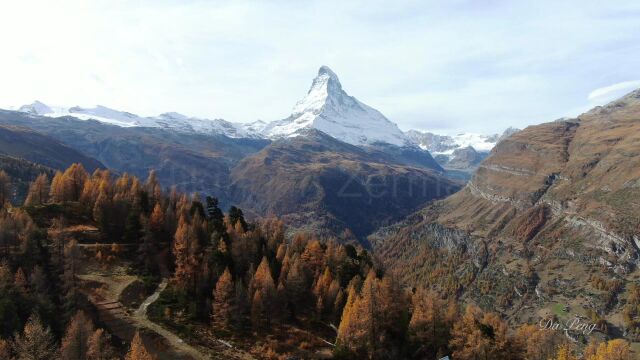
x: 140, y: 317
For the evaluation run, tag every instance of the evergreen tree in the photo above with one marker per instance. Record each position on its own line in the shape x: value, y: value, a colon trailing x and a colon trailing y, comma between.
x: 148, y: 249
x: 133, y: 226
x: 215, y: 216
x: 236, y: 216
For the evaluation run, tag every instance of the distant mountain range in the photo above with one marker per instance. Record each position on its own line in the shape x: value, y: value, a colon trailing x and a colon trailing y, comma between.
x: 461, y: 153
x: 335, y: 163
x: 326, y: 107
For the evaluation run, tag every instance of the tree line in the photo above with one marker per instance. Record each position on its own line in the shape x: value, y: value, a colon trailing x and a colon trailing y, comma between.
x: 234, y: 275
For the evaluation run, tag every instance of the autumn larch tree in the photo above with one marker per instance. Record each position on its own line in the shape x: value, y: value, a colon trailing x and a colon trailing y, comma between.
x: 99, y: 346
x: 138, y: 351
x: 38, y: 191
x: 263, y: 282
x: 616, y: 349
x: 224, y: 300
x: 347, y: 339
x: 296, y: 286
x: 5, y: 188
x: 75, y: 343
x: 427, y: 327
x: 69, y: 282
x: 186, y: 251
x: 35, y: 343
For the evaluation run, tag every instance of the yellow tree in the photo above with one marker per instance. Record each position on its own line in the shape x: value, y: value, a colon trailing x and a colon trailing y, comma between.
x: 57, y: 187
x: 75, y: 343
x: 5, y: 188
x: 617, y: 349
x: 35, y: 343
x: 427, y: 327
x: 138, y: 351
x: 74, y: 178
x: 468, y: 342
x: 223, y: 299
x: 38, y: 191
x: 181, y: 252
x: 99, y: 347
x: 263, y: 281
x: 347, y: 332
x: 565, y: 353
x: 536, y: 343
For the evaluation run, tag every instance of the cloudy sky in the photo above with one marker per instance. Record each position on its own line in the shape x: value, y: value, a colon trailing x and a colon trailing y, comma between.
x: 475, y: 65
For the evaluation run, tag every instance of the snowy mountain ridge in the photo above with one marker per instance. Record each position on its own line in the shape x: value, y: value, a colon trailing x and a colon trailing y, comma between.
x: 171, y: 120
x: 446, y: 145
x: 328, y: 108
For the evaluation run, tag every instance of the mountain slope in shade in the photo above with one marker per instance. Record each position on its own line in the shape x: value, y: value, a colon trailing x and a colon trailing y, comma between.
x: 193, y: 162
x: 24, y: 143
x: 328, y: 108
x: 315, y: 182
x: 22, y: 173
x: 547, y: 217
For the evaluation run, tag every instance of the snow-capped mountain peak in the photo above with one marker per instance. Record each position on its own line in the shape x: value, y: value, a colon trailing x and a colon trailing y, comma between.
x: 172, y: 116
x: 324, y: 89
x: 36, y: 108
x: 448, y: 144
x: 328, y: 108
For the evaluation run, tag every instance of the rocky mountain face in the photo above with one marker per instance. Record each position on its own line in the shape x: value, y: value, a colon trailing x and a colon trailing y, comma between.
x: 328, y: 108
x: 335, y: 164
x: 316, y: 182
x: 548, y: 218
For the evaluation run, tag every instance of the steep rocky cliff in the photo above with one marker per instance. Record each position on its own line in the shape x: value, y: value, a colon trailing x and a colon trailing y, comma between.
x: 548, y: 218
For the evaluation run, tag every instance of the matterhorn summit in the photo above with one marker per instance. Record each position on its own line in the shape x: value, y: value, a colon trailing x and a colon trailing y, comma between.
x: 328, y: 108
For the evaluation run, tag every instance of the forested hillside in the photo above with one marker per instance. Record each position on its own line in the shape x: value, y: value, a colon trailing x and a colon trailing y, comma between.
x: 547, y: 226
x: 83, y: 253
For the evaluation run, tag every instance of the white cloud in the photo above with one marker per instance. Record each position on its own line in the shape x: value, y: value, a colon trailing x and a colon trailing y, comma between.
x: 613, y: 91
x: 474, y: 64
